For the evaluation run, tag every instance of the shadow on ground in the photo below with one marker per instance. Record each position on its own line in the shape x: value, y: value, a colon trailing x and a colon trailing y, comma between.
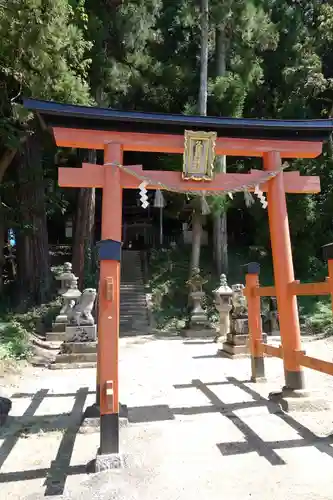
x: 29, y: 423
x: 55, y: 476
x: 253, y: 442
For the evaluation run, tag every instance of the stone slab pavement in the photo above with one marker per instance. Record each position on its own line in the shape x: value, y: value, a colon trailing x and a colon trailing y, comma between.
x: 198, y: 429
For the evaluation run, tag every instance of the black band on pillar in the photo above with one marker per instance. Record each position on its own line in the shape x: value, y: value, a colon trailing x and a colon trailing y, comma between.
x: 258, y: 367
x: 109, y: 250
x: 294, y: 380
x: 109, y: 434
x: 252, y: 268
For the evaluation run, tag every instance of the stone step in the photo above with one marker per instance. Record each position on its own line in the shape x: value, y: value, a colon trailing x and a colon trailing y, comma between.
x: 138, y: 301
x: 49, y: 345
x: 130, y: 275
x: 72, y: 366
x: 58, y: 327
x: 130, y: 326
x: 129, y: 311
x: 139, y: 298
x: 80, y: 347
x: 134, y: 319
x: 83, y: 357
x: 131, y: 285
x: 55, y: 336
x: 142, y: 316
x: 134, y: 303
x: 134, y: 290
x: 135, y: 298
x: 133, y: 308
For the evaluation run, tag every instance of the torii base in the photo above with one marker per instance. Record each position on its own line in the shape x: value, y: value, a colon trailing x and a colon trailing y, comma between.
x: 299, y: 401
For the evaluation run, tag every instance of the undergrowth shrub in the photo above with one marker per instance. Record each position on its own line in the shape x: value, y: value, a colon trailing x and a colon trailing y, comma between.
x: 14, y: 341
x: 321, y: 320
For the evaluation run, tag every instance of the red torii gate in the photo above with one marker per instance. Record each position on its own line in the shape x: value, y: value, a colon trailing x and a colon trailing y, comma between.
x: 116, y: 132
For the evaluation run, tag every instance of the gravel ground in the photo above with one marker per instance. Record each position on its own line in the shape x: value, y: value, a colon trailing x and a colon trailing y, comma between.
x: 199, y: 429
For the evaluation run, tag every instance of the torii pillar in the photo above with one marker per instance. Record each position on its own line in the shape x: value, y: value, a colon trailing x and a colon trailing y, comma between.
x: 109, y: 301
x: 284, y: 274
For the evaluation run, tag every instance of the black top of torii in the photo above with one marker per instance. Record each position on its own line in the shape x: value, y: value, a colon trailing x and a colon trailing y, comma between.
x: 93, y: 118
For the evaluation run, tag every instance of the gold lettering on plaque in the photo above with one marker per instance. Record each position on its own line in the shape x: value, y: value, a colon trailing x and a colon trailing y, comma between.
x: 199, y: 155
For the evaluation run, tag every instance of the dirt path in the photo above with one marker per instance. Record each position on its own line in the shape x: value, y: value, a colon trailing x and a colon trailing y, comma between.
x: 198, y: 430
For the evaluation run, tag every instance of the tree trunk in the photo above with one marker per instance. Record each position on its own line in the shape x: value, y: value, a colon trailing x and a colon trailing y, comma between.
x: 220, y: 237
x: 84, y: 230
x: 33, y: 267
x: 202, y: 103
x: 202, y: 108
x: 196, y: 239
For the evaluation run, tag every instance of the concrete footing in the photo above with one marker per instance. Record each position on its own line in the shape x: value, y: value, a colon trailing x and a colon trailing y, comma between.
x: 109, y: 462
x: 299, y: 401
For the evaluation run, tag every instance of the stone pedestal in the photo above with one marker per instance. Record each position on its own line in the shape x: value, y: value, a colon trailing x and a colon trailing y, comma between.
x: 223, y: 295
x: 84, y: 333
x: 198, y: 314
x: 199, y: 332
x: 237, y: 340
x: 199, y: 325
x: 79, y: 350
x: 224, y: 327
x: 237, y: 343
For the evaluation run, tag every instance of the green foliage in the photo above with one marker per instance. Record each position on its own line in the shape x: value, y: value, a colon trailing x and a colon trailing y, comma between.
x: 169, y: 272
x: 14, y: 341
x: 16, y: 329
x: 43, y: 55
x: 39, y: 318
x: 43, y: 51
x: 321, y: 320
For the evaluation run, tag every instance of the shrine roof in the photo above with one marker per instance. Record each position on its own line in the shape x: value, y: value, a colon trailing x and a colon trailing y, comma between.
x: 55, y: 114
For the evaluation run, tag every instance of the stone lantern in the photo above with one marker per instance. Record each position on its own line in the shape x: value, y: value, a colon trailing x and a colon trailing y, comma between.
x: 198, y: 324
x: 65, y: 277
x: 223, y: 303
x: 68, y: 291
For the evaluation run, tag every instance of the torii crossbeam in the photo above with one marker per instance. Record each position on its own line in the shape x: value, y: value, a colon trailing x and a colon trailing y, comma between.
x: 92, y: 175
x: 116, y: 132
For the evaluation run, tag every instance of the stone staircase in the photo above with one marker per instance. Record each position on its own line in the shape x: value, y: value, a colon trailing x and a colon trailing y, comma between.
x: 133, y: 303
